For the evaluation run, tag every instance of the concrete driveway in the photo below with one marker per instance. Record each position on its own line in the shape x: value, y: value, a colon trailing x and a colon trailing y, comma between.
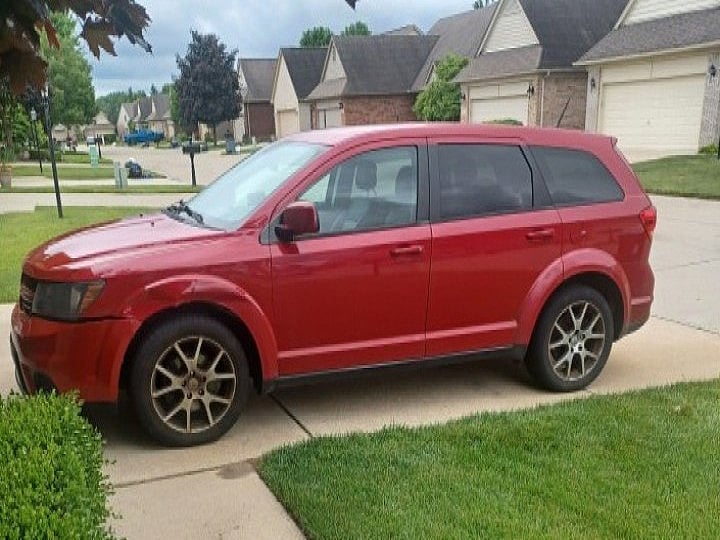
x: 173, y: 163
x: 215, y: 492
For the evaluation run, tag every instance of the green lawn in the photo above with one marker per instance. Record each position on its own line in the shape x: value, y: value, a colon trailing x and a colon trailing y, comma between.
x: 687, y: 176
x: 65, y: 172
x: 639, y: 465
x: 164, y: 188
x: 82, y: 159
x: 21, y: 232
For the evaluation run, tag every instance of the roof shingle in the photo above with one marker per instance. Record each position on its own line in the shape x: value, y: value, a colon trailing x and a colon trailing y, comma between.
x: 305, y: 66
x: 377, y: 65
x: 259, y: 74
x: 676, y: 32
x: 460, y: 34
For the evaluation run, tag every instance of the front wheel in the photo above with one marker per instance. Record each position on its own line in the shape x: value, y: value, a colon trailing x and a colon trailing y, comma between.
x: 572, y: 340
x: 189, y: 381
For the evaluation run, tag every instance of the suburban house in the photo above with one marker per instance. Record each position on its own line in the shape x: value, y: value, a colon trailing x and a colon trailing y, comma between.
x: 407, y: 30
x: 100, y: 128
x: 298, y: 72
x: 459, y: 34
x: 152, y: 112
x: 256, y: 84
x: 524, y: 67
x: 369, y: 79
x: 654, y: 81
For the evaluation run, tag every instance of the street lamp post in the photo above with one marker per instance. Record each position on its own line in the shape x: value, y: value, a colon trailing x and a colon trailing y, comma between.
x: 33, y: 117
x: 51, y: 146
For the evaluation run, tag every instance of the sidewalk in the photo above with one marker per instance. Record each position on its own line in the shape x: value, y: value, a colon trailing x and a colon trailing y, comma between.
x: 26, y: 202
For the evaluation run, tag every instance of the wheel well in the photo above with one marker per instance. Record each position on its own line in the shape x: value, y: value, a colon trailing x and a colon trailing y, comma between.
x: 233, y: 323
x: 608, y: 288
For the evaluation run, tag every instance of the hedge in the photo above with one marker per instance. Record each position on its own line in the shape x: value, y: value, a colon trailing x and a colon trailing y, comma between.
x: 51, y: 480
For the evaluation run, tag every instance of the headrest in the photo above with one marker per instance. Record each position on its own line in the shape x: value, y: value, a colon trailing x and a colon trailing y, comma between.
x: 366, y: 176
x: 405, y: 182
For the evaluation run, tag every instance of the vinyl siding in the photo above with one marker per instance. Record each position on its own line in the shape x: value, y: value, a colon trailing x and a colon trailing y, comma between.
x: 511, y: 29
x: 645, y: 10
x: 334, y: 68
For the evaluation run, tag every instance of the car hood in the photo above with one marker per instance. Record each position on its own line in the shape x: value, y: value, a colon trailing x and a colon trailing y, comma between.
x: 77, y: 249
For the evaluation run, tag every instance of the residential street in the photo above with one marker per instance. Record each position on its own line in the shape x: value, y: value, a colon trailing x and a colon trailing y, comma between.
x: 224, y: 495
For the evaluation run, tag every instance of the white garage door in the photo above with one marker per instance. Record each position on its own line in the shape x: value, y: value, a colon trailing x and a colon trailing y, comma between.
x: 329, y: 118
x: 654, y: 117
x: 499, y: 102
x: 288, y: 123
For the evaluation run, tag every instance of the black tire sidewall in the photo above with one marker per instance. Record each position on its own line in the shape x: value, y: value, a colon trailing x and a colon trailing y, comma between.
x: 538, y: 361
x: 155, y: 342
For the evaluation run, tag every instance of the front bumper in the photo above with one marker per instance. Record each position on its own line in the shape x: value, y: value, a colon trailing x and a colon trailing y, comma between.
x: 84, y: 356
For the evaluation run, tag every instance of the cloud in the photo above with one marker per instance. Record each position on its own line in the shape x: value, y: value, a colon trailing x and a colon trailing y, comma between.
x: 256, y: 28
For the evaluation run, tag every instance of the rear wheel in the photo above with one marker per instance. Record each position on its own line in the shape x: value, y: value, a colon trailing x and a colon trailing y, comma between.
x: 572, y: 340
x: 189, y: 381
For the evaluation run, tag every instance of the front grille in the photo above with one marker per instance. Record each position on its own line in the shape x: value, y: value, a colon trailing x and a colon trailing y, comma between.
x: 28, y: 286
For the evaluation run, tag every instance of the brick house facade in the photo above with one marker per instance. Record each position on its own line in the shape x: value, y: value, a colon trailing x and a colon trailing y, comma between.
x: 375, y: 110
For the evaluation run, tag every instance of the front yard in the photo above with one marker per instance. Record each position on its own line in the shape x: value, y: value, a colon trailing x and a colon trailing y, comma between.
x: 685, y: 176
x: 640, y: 465
x: 23, y: 231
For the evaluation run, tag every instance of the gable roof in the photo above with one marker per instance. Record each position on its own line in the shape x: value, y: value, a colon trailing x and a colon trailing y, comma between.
x: 145, y: 108
x: 376, y: 65
x: 305, y: 66
x: 162, y: 107
x: 566, y: 29
x: 460, y: 34
x: 674, y: 32
x: 130, y: 109
x: 259, y: 74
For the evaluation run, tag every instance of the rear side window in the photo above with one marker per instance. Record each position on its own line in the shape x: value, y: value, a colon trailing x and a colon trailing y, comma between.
x: 481, y: 179
x: 576, y: 177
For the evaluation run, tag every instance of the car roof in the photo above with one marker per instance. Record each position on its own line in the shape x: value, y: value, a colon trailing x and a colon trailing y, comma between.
x: 367, y: 133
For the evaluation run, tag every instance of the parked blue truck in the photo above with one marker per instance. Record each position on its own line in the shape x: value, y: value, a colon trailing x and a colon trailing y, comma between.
x: 143, y: 136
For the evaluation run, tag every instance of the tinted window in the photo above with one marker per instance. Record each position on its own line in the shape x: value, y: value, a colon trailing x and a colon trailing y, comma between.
x: 483, y: 179
x: 372, y: 190
x: 576, y: 177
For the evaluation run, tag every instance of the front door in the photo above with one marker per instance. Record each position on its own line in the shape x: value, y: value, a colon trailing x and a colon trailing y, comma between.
x: 491, y: 240
x: 355, y: 293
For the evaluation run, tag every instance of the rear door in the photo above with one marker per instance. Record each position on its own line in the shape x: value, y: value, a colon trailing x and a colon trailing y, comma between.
x: 493, y: 233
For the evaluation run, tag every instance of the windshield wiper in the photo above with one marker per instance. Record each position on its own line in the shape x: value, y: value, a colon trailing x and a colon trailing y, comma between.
x: 183, y: 208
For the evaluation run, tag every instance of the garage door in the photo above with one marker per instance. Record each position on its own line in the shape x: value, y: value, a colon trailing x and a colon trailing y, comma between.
x: 499, y: 102
x: 329, y: 118
x: 654, y: 117
x: 288, y: 123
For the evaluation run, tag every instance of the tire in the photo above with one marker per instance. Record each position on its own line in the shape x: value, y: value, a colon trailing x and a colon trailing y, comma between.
x: 189, y: 381
x: 572, y: 340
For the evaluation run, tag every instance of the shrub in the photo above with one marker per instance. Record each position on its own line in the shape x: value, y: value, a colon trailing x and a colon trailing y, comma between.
x: 45, y: 154
x: 711, y: 149
x: 505, y: 122
x: 51, y: 480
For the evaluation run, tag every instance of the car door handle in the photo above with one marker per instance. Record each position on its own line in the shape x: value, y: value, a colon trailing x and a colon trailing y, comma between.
x: 406, y: 250
x: 540, y: 235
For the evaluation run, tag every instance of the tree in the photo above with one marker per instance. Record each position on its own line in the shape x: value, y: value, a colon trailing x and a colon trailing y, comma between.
x: 440, y: 100
x: 318, y: 36
x: 22, y: 23
x: 477, y: 4
x: 358, y: 28
x: 69, y: 74
x: 208, y: 89
x: 110, y: 103
x: 153, y: 90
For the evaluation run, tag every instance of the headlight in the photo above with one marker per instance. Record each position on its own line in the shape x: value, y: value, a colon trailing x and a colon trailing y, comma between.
x: 65, y: 301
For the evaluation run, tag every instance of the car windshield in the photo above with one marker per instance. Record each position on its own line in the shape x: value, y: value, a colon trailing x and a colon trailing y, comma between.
x: 237, y: 193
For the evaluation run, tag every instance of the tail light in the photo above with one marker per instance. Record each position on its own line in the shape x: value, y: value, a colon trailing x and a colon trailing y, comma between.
x: 648, y: 217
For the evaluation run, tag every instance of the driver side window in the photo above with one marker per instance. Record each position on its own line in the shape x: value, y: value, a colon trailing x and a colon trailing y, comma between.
x: 373, y: 190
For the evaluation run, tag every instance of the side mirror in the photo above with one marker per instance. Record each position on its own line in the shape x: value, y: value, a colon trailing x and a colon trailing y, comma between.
x: 298, y: 218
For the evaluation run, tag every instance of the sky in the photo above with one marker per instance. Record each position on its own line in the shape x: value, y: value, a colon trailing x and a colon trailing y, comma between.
x: 256, y: 28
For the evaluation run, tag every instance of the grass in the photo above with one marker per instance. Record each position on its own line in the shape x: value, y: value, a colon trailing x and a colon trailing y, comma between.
x: 685, y: 176
x: 639, y: 465
x: 83, y: 159
x: 65, y: 173
x: 148, y: 189
x: 23, y: 231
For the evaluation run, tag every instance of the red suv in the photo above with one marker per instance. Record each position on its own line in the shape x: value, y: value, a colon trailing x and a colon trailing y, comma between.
x: 330, y: 252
